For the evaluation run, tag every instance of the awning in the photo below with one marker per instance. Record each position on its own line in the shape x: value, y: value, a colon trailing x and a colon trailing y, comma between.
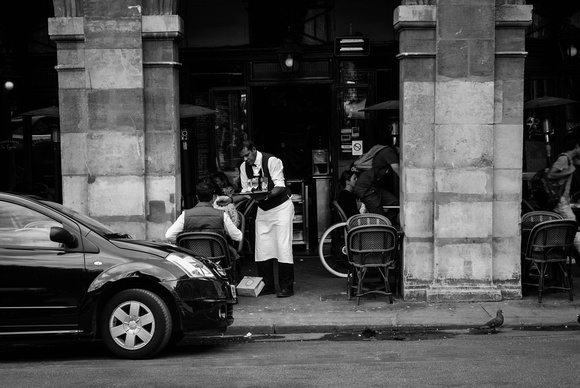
x: 187, y: 110
x: 48, y: 112
x: 547, y: 101
x: 385, y: 105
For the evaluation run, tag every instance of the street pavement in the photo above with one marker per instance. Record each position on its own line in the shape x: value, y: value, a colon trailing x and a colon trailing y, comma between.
x: 320, y: 305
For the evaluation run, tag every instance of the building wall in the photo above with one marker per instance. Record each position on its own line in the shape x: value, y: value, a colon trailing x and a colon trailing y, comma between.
x: 461, y: 81
x: 461, y: 89
x: 119, y: 115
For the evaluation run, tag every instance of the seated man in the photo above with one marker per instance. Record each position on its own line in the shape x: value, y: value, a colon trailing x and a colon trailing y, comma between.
x: 203, y: 217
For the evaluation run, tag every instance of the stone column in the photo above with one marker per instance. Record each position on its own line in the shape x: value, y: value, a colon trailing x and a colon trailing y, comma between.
x: 461, y: 188
x: 464, y: 153
x: 119, y: 116
x: 162, y: 136
x: 417, y: 45
x: 511, y: 20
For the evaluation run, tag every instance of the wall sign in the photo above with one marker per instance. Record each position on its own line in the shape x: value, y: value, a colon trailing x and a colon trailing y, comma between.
x: 352, y: 46
x: 357, y: 147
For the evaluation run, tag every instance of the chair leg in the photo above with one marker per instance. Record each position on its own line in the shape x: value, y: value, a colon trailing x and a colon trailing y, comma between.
x: 360, y: 272
x: 385, y: 276
x: 542, y: 272
x: 567, y: 272
x: 349, y: 283
x: 571, y: 282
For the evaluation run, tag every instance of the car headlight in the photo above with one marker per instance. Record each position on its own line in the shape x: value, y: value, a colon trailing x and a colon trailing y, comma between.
x: 191, y: 266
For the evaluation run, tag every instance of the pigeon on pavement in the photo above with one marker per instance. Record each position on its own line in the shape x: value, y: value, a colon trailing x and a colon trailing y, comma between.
x: 578, y: 318
x: 495, y: 322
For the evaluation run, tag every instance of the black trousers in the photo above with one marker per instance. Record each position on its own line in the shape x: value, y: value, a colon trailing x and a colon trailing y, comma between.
x: 285, y: 275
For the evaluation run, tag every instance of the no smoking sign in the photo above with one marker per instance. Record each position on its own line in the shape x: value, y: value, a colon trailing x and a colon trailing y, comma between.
x: 357, y: 147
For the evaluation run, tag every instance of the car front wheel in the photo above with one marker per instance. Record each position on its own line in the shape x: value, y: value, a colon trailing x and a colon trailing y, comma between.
x: 136, y: 324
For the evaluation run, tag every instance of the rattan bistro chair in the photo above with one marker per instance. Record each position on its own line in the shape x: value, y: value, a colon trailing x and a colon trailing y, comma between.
x: 530, y: 219
x: 549, y: 246
x: 367, y: 219
x: 212, y: 246
x: 371, y: 246
x: 540, y: 216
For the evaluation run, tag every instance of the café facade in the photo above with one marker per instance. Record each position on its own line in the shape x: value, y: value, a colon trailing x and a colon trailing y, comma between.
x: 294, y: 79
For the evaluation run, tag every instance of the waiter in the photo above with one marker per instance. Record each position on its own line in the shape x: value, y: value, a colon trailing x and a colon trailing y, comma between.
x: 273, y: 219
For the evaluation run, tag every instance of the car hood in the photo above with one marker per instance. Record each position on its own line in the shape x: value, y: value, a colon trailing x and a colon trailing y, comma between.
x: 150, y: 247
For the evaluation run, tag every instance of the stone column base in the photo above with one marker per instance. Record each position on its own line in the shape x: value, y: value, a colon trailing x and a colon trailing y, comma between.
x: 454, y: 294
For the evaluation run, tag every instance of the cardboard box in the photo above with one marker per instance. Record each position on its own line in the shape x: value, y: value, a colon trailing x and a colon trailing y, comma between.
x: 250, y: 286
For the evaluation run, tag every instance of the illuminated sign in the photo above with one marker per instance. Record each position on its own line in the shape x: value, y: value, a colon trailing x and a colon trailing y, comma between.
x: 352, y: 46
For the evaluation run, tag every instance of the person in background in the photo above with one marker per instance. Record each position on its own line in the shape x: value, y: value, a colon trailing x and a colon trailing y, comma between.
x: 389, y: 156
x: 369, y: 189
x: 379, y: 186
x: 346, y: 198
x: 273, y: 219
x: 203, y: 217
x: 563, y: 170
x: 226, y: 196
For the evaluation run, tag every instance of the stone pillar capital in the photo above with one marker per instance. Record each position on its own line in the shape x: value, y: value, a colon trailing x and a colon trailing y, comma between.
x: 162, y: 27
x: 66, y: 28
x: 513, y: 15
x: 414, y: 16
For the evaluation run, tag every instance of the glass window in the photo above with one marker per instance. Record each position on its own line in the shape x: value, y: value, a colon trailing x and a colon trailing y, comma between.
x: 21, y: 226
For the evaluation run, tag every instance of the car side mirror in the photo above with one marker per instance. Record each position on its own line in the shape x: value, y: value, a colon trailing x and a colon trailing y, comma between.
x: 63, y: 236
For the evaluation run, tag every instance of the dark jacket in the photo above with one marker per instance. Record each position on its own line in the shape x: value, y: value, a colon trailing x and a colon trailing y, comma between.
x: 204, y: 218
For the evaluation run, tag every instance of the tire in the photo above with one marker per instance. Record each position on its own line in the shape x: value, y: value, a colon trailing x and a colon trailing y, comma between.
x: 136, y: 324
x: 336, y: 263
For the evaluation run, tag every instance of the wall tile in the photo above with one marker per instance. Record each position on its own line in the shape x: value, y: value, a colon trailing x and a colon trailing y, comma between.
x: 463, y: 145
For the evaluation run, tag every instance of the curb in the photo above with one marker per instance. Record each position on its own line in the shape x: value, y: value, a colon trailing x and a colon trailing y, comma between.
x: 307, y: 329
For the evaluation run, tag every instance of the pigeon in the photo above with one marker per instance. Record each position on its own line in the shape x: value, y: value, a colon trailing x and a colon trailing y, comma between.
x: 495, y: 322
x: 578, y: 318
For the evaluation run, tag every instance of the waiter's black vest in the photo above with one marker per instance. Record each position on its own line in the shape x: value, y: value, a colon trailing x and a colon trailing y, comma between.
x: 204, y: 218
x: 271, y: 202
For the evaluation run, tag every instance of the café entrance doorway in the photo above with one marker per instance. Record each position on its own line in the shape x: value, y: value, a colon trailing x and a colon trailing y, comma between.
x: 292, y: 121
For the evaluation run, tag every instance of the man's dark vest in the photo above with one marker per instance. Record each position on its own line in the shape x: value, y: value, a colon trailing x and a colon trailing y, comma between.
x: 204, y: 218
x: 271, y: 202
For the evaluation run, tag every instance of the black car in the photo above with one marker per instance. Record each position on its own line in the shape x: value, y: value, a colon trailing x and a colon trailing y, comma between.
x: 64, y: 275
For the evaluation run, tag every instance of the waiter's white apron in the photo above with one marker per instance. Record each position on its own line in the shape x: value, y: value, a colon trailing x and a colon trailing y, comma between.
x: 274, y: 233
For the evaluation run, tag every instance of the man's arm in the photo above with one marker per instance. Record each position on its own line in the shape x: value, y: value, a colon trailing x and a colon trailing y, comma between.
x: 175, y: 229
x: 561, y: 168
x: 277, y: 175
x: 231, y: 229
x: 395, y: 167
x: 244, y: 181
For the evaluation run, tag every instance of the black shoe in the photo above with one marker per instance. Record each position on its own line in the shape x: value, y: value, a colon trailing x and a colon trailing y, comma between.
x: 285, y: 293
x: 267, y: 292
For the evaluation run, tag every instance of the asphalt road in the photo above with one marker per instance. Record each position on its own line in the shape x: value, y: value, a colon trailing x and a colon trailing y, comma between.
x: 440, y: 359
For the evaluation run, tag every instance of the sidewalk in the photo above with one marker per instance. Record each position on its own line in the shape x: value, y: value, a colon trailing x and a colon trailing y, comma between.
x: 320, y: 305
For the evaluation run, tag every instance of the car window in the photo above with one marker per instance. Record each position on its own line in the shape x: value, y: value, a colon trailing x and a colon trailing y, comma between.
x: 25, y: 227
x: 95, y: 225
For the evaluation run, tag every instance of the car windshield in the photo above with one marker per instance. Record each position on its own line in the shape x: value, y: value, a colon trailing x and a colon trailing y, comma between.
x: 87, y: 221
